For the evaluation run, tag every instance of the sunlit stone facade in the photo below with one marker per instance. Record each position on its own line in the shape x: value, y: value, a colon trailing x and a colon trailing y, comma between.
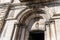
x: 20, y: 17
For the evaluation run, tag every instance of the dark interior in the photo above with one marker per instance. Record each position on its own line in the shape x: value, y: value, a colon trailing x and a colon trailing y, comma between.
x: 36, y: 35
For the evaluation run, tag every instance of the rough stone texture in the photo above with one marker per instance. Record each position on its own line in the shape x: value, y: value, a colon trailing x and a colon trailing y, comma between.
x: 2, y: 16
x: 17, y: 14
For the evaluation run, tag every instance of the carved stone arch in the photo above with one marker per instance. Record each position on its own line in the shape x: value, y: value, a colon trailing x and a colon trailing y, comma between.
x: 28, y: 12
x: 25, y: 16
x: 22, y: 13
x: 27, y: 21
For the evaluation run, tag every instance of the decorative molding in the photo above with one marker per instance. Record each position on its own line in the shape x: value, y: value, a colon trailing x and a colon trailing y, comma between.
x: 49, y: 4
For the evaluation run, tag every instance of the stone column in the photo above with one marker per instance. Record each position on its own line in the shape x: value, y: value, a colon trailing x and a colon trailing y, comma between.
x: 27, y: 34
x: 23, y: 34
x: 20, y: 32
x: 53, y: 35
x: 47, y: 33
x: 8, y: 30
x: 15, y: 32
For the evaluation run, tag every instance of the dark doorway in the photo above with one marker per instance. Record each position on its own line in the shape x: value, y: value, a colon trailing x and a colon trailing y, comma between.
x: 36, y: 35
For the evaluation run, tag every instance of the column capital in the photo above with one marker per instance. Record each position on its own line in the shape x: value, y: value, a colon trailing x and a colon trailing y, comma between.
x: 23, y: 25
x: 49, y: 22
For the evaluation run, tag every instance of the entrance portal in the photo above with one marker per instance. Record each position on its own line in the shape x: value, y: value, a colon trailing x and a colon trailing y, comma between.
x: 36, y: 35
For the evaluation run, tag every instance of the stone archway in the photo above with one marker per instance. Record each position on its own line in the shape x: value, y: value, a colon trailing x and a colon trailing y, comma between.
x: 25, y: 19
x: 25, y: 14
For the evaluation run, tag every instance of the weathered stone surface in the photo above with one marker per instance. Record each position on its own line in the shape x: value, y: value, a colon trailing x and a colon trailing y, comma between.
x: 19, y: 14
x: 35, y: 0
x: 2, y: 17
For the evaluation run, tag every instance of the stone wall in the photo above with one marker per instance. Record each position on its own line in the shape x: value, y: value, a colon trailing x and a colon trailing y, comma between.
x: 13, y: 13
